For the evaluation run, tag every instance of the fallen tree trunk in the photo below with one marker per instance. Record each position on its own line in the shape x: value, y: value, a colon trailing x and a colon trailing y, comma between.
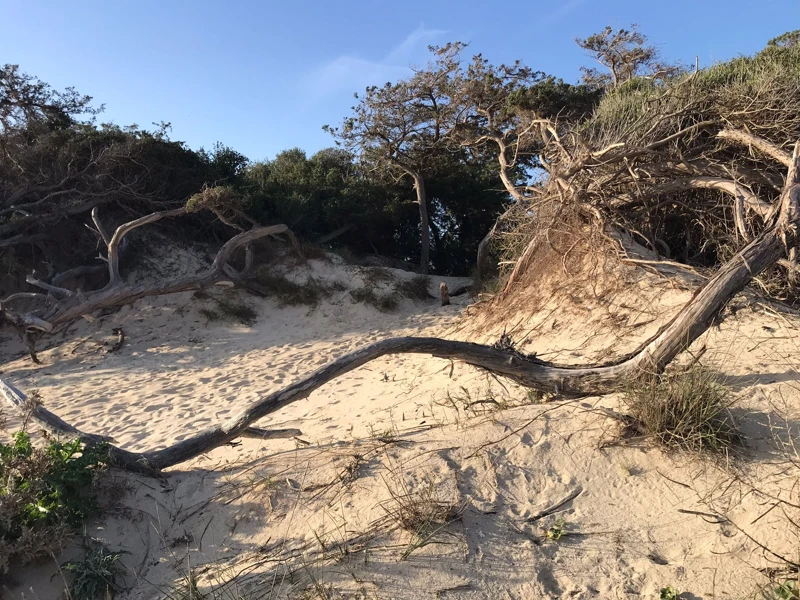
x: 56, y: 424
x: 693, y: 320
x: 66, y: 305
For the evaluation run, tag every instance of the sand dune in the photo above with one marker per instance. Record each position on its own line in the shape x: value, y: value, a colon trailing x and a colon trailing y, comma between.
x: 415, y: 477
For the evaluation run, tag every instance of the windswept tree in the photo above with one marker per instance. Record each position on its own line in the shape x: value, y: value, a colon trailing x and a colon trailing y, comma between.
x: 625, y: 54
x: 396, y: 128
x: 511, y: 107
x: 785, y: 40
x: 507, y: 111
x: 490, y: 114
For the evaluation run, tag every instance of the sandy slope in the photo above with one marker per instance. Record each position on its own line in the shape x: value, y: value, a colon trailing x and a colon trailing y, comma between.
x: 319, y: 516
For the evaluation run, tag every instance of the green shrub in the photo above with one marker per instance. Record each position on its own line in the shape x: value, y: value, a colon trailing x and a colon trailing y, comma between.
x: 94, y: 574
x: 557, y: 530
x: 669, y: 593
x: 45, y: 494
x: 788, y: 590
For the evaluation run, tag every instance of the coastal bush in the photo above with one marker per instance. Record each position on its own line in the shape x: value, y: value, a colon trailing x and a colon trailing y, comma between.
x: 46, y: 494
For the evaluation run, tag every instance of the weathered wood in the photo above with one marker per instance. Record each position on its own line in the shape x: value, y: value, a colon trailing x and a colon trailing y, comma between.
x: 772, y: 245
x: 444, y: 293
x: 740, y: 193
x: 120, y: 333
x: 78, y: 272
x: 126, y: 293
x: 67, y: 305
x: 56, y: 424
x: 43, y: 416
x: 122, y: 231
x: 270, y: 434
x: 760, y: 144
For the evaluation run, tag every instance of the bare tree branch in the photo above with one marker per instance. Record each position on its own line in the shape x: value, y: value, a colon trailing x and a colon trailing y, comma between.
x: 760, y: 144
x: 123, y: 230
x: 676, y: 336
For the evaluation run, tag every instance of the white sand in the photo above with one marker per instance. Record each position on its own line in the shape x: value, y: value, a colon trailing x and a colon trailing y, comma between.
x: 285, y: 518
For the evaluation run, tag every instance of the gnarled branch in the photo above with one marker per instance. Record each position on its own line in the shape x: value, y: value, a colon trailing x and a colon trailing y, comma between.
x: 694, y: 319
x: 760, y: 144
x: 122, y: 231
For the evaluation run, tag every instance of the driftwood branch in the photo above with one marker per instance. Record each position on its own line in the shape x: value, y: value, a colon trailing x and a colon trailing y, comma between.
x: 740, y: 193
x: 54, y: 290
x: 23, y: 239
x: 693, y: 320
x: 65, y: 276
x: 66, y: 305
x: 121, y: 231
x: 56, y: 424
x: 771, y: 246
x: 101, y: 229
x: 127, y: 293
x: 27, y: 296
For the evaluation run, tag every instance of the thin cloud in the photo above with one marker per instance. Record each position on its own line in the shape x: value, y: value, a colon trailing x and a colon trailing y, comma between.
x: 353, y: 73
x: 561, y: 12
x: 404, y: 50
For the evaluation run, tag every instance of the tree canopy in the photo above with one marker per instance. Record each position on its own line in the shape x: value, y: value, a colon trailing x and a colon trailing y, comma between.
x: 421, y: 171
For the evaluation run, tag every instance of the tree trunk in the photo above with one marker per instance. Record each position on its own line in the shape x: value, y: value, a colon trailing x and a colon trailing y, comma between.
x: 425, y: 232
x: 482, y: 261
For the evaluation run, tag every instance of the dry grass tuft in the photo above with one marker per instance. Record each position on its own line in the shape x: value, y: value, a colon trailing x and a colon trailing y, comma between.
x: 422, y: 512
x: 95, y: 574
x: 686, y: 410
x: 383, y: 302
x: 415, y: 288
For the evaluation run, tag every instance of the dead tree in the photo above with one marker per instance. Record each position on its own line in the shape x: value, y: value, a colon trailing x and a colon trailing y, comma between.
x: 777, y: 239
x: 60, y: 305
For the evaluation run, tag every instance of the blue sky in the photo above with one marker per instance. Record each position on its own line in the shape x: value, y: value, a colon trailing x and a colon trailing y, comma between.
x: 265, y: 76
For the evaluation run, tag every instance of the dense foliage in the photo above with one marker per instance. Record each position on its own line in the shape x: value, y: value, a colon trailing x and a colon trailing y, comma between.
x: 422, y: 169
x: 57, y: 164
x: 332, y: 192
